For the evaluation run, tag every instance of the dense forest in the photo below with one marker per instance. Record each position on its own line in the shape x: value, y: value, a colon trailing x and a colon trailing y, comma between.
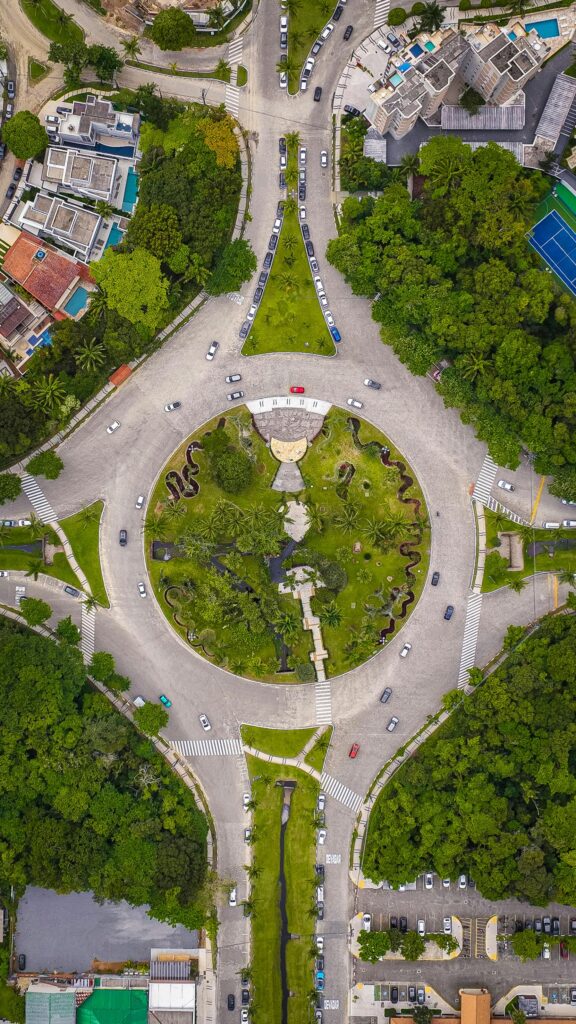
x: 455, y: 278
x: 493, y: 791
x: 85, y: 802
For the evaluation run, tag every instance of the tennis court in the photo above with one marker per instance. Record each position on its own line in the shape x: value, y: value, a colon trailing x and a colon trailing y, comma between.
x: 555, y: 242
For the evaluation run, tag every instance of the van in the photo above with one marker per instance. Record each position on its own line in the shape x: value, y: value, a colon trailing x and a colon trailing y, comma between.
x: 550, y: 526
x: 569, y: 523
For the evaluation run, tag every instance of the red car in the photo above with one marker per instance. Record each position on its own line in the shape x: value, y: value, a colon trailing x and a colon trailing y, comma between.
x: 354, y: 750
x: 296, y: 391
x: 563, y: 950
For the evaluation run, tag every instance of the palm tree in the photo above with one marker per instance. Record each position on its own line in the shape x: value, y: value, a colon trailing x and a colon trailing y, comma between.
x: 289, y: 283
x: 173, y: 67
x: 90, y: 355
x: 90, y: 603
x: 292, y: 6
x: 289, y: 626
x: 472, y: 365
x: 347, y: 518
x: 567, y: 576
x: 196, y: 270
x: 131, y: 46
x: 410, y: 164
x: 35, y: 567
x: 229, y: 515
x: 37, y: 527
x: 290, y: 242
x: 208, y: 528
x: 155, y: 526
x: 432, y: 17
x: 375, y: 530
x: 316, y: 517
x: 63, y: 18
x: 517, y: 7
x: 290, y: 205
x: 217, y: 17
x: 48, y: 392
x: 104, y: 208
x: 331, y: 615
x: 516, y: 583
x: 7, y: 385
x: 98, y: 303
x: 223, y: 69
x: 89, y: 515
x: 173, y: 511
x: 293, y: 139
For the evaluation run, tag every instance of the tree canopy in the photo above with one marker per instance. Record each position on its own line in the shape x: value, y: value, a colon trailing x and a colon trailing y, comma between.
x: 458, y: 281
x: 10, y: 487
x: 172, y: 29
x: 237, y: 265
x: 493, y: 791
x: 24, y: 135
x: 85, y: 802
x: 134, y: 286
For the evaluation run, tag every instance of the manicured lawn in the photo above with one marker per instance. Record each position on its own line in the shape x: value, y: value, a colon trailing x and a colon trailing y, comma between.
x: 289, y: 317
x: 222, y: 77
x: 60, y: 568
x: 542, y: 562
x: 50, y: 20
x: 316, y: 757
x: 242, y: 75
x: 279, y: 742
x: 299, y: 867
x: 83, y: 534
x: 303, y: 26
x: 36, y: 70
x: 12, y: 1005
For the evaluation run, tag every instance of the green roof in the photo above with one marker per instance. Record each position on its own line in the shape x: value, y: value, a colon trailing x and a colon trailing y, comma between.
x: 114, y: 1006
x: 50, y: 1008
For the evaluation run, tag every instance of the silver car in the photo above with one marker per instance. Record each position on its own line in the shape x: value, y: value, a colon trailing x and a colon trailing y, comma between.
x: 212, y: 350
x: 354, y: 403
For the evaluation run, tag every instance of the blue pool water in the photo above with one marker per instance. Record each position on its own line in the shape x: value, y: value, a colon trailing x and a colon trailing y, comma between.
x: 396, y: 79
x: 77, y: 301
x: 416, y: 50
x: 430, y: 45
x: 404, y: 66
x: 546, y: 29
x: 39, y: 341
x: 130, y: 191
x: 512, y: 36
x: 115, y: 236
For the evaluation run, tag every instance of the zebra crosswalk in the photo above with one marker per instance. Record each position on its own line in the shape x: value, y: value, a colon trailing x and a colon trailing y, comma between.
x: 381, y: 12
x: 232, y: 100
x: 340, y: 792
x: 235, y: 50
x: 208, y: 748
x: 497, y: 506
x: 468, y: 656
x: 39, y: 503
x: 483, y: 485
x: 323, y: 703
x: 87, y: 631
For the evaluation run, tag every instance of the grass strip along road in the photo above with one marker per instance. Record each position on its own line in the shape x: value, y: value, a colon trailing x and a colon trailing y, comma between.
x: 83, y: 532
x: 278, y: 742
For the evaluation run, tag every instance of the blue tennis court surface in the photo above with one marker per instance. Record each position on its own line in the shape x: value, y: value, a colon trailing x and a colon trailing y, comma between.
x: 555, y: 242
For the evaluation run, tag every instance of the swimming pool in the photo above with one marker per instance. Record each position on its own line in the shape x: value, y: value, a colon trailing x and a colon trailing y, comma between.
x: 130, y: 191
x: 115, y: 236
x: 404, y: 66
x: 545, y: 29
x: 39, y: 341
x: 396, y: 79
x: 430, y: 46
x: 416, y: 50
x: 512, y: 36
x: 77, y: 301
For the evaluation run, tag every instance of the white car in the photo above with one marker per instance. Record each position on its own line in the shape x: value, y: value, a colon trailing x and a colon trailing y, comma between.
x: 462, y: 882
x: 303, y: 84
x: 324, y: 158
x: 446, y: 883
x: 447, y: 926
x: 113, y: 426
x: 283, y: 161
x: 244, y: 1016
x: 546, y: 951
x: 421, y: 927
x: 321, y: 836
x: 366, y: 922
x: 320, y: 943
x: 308, y: 67
x: 142, y: 589
x: 405, y: 650
x: 329, y: 318
x: 428, y: 880
x: 283, y: 81
x: 139, y: 501
x: 205, y: 723
x: 277, y: 225
x: 232, y: 898
x: 321, y: 801
x: 354, y: 403
x: 246, y: 801
x: 323, y: 298
x: 302, y: 213
x: 251, y: 312
x: 24, y: 522
x: 283, y: 23
x: 212, y: 350
x: 318, y: 283
x: 327, y: 31
x: 505, y: 485
x: 233, y: 378
x: 302, y: 155
x: 4, y: 574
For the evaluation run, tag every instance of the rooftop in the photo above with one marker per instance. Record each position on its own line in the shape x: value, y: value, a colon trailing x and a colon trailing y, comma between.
x: 79, y: 171
x: 44, y: 273
x: 66, y: 220
x: 50, y: 1008
x: 13, y: 312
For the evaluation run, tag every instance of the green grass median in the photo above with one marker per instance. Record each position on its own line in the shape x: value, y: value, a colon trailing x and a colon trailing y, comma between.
x: 83, y: 532
x: 278, y: 742
x: 52, y: 22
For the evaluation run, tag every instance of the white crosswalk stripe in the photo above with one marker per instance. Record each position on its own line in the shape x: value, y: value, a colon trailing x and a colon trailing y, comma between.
x: 340, y: 792
x: 88, y: 628
x: 207, y: 748
x: 468, y: 656
x: 483, y: 485
x: 41, y: 506
x: 497, y: 506
x: 235, y: 50
x: 323, y: 703
x: 232, y: 100
x: 381, y: 12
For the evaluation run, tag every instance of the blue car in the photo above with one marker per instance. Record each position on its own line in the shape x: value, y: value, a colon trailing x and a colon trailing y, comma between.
x: 335, y: 334
x: 319, y: 984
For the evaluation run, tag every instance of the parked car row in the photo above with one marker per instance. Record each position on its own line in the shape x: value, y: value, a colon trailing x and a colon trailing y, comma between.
x: 309, y: 246
x: 412, y: 994
x: 268, y: 259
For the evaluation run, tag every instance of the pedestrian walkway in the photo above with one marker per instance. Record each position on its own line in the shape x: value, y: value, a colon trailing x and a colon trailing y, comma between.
x: 323, y: 702
x: 381, y: 12
x: 207, y: 748
x: 497, y: 506
x: 468, y: 656
x: 88, y: 629
x: 40, y: 504
x: 485, y: 480
x: 234, y: 58
x: 232, y: 99
x: 340, y: 792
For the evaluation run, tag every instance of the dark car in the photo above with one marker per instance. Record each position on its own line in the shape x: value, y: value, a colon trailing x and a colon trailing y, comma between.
x: 412, y: 993
x: 309, y: 248
x: 283, y: 40
x: 280, y: 208
x: 282, y: 180
x: 245, y: 996
x: 72, y: 591
x: 546, y: 926
x: 337, y: 13
x: 316, y: 48
x: 11, y: 89
x: 231, y: 1001
x: 318, y: 93
x: 305, y: 232
x: 403, y: 924
x: 10, y: 191
x: 348, y: 31
x: 123, y: 538
x: 273, y: 241
x: 21, y: 962
x: 320, y: 911
x: 320, y: 963
x: 392, y: 39
x: 17, y: 174
x: 63, y: 110
x: 518, y: 925
x: 528, y: 925
x: 258, y: 294
x: 282, y: 144
x: 393, y: 921
x: 333, y: 330
x: 243, y: 332
x: 2, y: 150
x: 262, y: 279
x: 352, y: 110
x: 302, y: 193
x: 386, y: 694
x: 268, y: 260
x: 394, y: 994
x: 564, y: 951
x: 555, y: 926
x: 449, y: 611
x: 537, y: 925
x: 573, y: 925
x: 435, y: 579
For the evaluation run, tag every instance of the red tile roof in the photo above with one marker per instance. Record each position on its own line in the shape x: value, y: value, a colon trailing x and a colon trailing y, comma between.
x: 46, y: 280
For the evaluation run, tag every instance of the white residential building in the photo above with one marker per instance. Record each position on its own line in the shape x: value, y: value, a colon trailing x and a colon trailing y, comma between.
x: 90, y: 174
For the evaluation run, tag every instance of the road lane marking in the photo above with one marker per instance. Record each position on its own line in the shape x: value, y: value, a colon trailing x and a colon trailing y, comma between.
x: 537, y: 499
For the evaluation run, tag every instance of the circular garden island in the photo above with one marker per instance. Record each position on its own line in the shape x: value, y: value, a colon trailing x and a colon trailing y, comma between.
x: 287, y: 547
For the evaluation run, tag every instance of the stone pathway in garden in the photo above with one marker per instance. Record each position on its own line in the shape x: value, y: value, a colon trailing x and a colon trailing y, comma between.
x: 298, y: 584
